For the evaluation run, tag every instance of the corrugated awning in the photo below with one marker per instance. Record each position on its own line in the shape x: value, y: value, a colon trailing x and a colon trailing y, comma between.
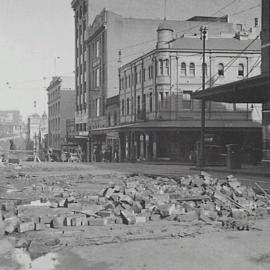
x: 251, y: 90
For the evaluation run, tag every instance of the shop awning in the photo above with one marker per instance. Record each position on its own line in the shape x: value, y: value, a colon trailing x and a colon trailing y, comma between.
x: 178, y: 125
x: 251, y: 90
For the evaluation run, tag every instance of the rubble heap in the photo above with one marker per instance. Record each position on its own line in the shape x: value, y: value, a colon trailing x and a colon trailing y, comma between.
x: 140, y: 199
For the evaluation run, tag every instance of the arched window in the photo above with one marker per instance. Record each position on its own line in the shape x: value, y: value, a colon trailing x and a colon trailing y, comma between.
x: 220, y: 69
x: 183, y: 69
x: 161, y: 67
x: 167, y: 66
x: 241, y: 70
x: 205, y: 69
x: 192, y: 69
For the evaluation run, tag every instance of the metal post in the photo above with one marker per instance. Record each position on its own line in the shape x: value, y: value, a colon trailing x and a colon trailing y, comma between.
x: 203, y: 30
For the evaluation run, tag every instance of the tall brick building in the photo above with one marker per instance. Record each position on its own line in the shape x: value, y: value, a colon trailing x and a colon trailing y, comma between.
x: 61, y: 107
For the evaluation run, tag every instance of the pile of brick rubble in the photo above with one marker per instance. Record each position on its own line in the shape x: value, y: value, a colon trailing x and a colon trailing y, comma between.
x: 140, y: 199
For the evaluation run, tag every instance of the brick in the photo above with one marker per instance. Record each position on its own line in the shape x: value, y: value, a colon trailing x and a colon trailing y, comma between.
x: 79, y: 221
x: 131, y: 192
x: 58, y: 222
x: 74, y: 206
x: 261, y: 212
x: 62, y: 203
x: 45, y: 219
x: 53, y: 204
x: 161, y: 198
x: 97, y: 221
x: 212, y: 215
x: 115, y: 197
x: 137, y: 207
x: 239, y: 213
x: 140, y: 219
x: 119, y: 220
x: 111, y: 220
x: 166, y: 209
x: 126, y: 199
x: 104, y: 213
x: 40, y: 227
x: 128, y: 217
x: 11, y: 224
x: 108, y: 193
x: 189, y: 216
x: 26, y: 227
x: 71, y: 199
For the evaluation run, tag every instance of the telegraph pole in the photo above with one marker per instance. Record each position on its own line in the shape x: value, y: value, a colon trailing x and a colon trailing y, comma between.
x: 203, y: 30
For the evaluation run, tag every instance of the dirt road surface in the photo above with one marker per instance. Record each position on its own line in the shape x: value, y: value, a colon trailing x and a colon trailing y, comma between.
x: 154, y: 245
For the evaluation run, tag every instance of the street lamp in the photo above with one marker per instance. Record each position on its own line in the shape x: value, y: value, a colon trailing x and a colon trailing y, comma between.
x: 203, y: 30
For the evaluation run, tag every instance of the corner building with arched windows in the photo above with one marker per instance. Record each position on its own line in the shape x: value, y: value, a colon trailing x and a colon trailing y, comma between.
x: 158, y: 118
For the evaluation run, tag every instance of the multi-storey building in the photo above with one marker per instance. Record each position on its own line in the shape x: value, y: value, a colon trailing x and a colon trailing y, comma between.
x: 61, y: 106
x: 158, y: 118
x: 80, y: 8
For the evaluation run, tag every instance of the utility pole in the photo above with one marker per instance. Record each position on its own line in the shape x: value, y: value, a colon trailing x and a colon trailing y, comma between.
x: 203, y: 30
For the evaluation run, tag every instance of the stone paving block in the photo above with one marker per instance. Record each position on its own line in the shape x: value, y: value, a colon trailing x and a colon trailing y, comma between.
x: 140, y: 219
x: 79, y: 221
x: 58, y: 222
x: 137, y: 207
x: 126, y: 199
x: 40, y: 227
x: 26, y: 226
x: 128, y: 217
x: 97, y: 221
x: 166, y: 209
x: 104, y: 213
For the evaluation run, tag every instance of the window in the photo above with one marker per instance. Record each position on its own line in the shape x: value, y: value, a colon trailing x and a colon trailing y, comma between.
x: 205, y: 69
x: 150, y: 102
x: 115, y: 118
x: 167, y: 67
x: 186, y: 100
x: 143, y: 75
x: 161, y: 99
x: 98, y: 107
x: 123, y: 107
x: 160, y: 67
x: 183, y: 69
x: 150, y: 70
x: 127, y: 106
x: 128, y: 80
x: 220, y: 69
x: 241, y: 70
x: 192, y: 69
x: 97, y: 48
x: 97, y: 77
x: 138, y: 103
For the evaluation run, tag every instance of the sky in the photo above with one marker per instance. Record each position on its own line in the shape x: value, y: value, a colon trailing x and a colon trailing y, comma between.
x: 37, y: 39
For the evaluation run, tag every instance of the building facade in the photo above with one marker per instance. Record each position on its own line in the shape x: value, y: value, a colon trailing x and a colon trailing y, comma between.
x: 10, y: 123
x: 158, y: 118
x: 61, y: 106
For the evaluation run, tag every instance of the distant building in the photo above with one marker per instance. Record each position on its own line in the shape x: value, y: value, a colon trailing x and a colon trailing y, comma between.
x: 61, y: 106
x: 158, y: 118
x: 10, y: 123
